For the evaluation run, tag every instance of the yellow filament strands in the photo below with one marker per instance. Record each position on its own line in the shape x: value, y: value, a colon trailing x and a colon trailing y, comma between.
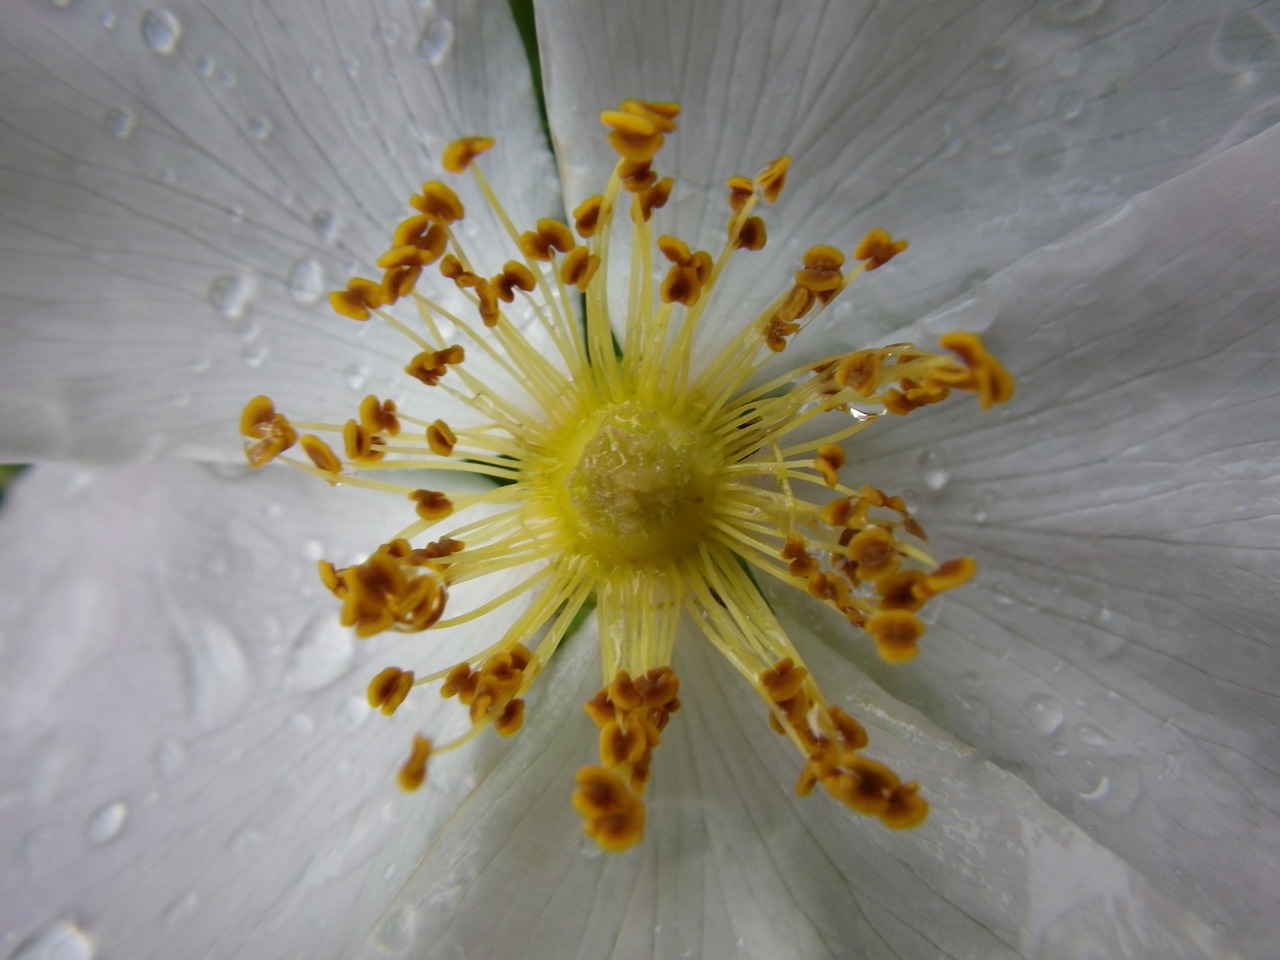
x: 625, y: 475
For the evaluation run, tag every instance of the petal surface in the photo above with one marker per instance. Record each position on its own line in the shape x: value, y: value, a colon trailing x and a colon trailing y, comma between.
x: 183, y: 184
x: 978, y: 131
x: 734, y: 864
x: 188, y: 764
x: 1119, y: 649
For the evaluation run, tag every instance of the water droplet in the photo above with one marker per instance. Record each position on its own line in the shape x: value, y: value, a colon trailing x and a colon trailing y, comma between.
x: 206, y: 65
x: 248, y: 331
x: 255, y: 355
x: 933, y: 469
x: 119, y: 122
x: 387, y: 31
x: 106, y: 823
x: 1046, y: 713
x: 235, y: 213
x: 61, y: 940
x: 326, y: 224
x: 170, y: 759
x: 302, y: 724
x: 60, y: 4
x: 320, y: 654
x: 1071, y: 106
x: 353, y: 68
x: 161, y: 30
x: 1000, y: 146
x: 168, y: 176
x: 436, y: 40
x: 306, y: 281
x: 230, y: 295
x: 398, y: 932
x: 355, y: 375
x: 217, y: 671
x: 200, y: 364
x: 1068, y: 63
x: 353, y: 712
x: 259, y: 128
x: 1091, y: 736
x: 107, y: 20
x: 246, y: 841
x: 181, y: 910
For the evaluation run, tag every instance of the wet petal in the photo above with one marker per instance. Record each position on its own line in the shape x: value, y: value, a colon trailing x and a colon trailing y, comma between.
x: 978, y: 132
x: 1118, y: 649
x: 735, y: 864
x: 182, y: 188
x: 187, y: 757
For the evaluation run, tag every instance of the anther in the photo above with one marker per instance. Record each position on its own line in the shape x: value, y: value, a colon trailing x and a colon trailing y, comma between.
x: 579, y: 267
x: 895, y: 633
x: 877, y: 248
x: 358, y: 299
x: 773, y: 178
x: 389, y: 688
x: 438, y: 203
x: 586, y: 216
x: 748, y: 235
x: 431, y: 504
x: 441, y: 439
x: 272, y: 431
x: 459, y: 154
x: 414, y: 772
x: 828, y: 461
x: 321, y: 454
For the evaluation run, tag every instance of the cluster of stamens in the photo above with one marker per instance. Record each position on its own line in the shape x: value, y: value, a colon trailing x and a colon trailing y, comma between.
x: 626, y: 479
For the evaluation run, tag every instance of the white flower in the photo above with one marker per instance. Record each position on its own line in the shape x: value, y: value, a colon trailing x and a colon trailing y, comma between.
x: 187, y: 767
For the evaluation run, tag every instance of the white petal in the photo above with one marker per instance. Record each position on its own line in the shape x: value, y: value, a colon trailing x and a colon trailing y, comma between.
x: 188, y: 765
x: 183, y: 185
x: 733, y: 864
x: 1120, y: 648
x: 978, y: 131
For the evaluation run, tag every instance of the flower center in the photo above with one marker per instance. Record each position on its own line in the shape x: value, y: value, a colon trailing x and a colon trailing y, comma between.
x: 638, y: 483
x: 628, y: 479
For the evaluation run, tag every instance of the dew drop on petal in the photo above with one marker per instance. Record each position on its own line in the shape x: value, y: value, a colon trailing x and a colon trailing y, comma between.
x: 933, y: 469
x: 206, y: 65
x: 1070, y: 106
x: 306, y: 281
x: 230, y: 294
x: 170, y: 758
x: 119, y: 122
x: 60, y: 940
x: 398, y: 932
x: 1045, y: 712
x: 436, y: 39
x: 355, y: 375
x: 259, y: 128
x: 325, y: 224
x: 106, y: 823
x: 320, y: 653
x: 161, y: 30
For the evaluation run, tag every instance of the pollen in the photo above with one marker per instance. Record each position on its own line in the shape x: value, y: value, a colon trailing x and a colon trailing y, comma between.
x: 620, y: 472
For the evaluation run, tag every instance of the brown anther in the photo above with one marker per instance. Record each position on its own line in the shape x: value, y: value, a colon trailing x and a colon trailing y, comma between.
x: 623, y: 693
x: 741, y: 189
x: 875, y: 553
x: 636, y: 175
x: 359, y: 298
x: 903, y: 590
x: 662, y: 113
x: 803, y: 563
x: 321, y: 454
x: 414, y: 772
x: 586, y: 216
x: 550, y: 235
x: 441, y: 439
x: 358, y: 443
x: 905, y: 808
x: 444, y: 547
x: 633, y: 136
x: 828, y: 461
x: 579, y: 267
x: 773, y: 178
x: 438, y: 203
x: 389, y: 688
x: 847, y: 730
x: 457, y: 681
x: 776, y: 332
x: 431, y: 365
x: 821, y: 273
x: 895, y: 633
x: 600, y: 709
x: 675, y: 249
x: 751, y: 234
x: 619, y: 746
x: 451, y: 268
x: 514, y: 276
x: 784, y: 680
x: 992, y: 381
x: 379, y: 416
x: 952, y: 574
x: 399, y: 282
x: 681, y: 285
x: 511, y: 719
x: 487, y: 294
x: 860, y: 372
x: 405, y: 256
x: 651, y: 199
x: 877, y: 248
x: 431, y: 504
x: 420, y: 233
x: 613, y: 816
x: 272, y: 431
x: 458, y: 155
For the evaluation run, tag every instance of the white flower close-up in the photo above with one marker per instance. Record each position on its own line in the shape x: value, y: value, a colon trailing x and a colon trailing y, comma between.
x: 190, y: 765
